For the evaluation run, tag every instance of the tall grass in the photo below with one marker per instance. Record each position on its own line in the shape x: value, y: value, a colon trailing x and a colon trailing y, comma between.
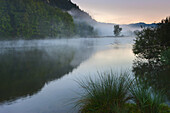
x: 107, y: 94
x: 147, y: 100
x: 110, y: 93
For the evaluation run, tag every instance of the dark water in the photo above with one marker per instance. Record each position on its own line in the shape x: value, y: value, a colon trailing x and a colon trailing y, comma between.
x: 39, y: 76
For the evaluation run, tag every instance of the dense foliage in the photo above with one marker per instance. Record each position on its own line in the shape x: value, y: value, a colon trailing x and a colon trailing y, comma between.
x: 151, y: 42
x: 33, y: 18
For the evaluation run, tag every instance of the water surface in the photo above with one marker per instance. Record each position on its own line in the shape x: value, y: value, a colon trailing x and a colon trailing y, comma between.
x: 38, y: 76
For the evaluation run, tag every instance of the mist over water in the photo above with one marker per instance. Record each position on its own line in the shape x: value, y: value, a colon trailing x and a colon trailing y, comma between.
x: 38, y: 76
x: 102, y: 29
x: 106, y: 29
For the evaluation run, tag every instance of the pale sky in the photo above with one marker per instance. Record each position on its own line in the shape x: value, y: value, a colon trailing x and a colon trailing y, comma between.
x: 126, y: 11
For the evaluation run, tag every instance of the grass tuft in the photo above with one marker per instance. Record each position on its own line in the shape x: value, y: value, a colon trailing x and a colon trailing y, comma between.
x: 147, y: 100
x: 107, y: 94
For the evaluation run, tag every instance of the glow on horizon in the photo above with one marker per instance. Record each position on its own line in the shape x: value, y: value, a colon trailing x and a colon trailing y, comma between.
x: 125, y: 12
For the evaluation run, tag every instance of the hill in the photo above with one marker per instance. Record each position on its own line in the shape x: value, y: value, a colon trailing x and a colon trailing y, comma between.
x: 142, y: 24
x: 84, y: 24
x: 40, y: 18
x: 33, y: 18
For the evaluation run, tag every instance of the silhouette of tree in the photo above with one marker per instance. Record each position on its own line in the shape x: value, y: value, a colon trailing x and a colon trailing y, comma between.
x: 151, y: 42
x: 117, y: 30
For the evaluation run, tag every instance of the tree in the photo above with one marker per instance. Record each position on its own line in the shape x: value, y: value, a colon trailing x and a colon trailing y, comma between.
x: 152, y: 48
x: 151, y: 42
x: 117, y: 30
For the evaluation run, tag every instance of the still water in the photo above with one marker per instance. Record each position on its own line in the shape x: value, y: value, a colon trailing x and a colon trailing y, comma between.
x: 39, y: 76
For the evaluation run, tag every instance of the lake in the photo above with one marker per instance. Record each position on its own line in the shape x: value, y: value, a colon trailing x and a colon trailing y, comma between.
x: 39, y: 76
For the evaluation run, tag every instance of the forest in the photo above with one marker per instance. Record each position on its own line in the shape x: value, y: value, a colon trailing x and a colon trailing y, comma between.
x: 37, y: 19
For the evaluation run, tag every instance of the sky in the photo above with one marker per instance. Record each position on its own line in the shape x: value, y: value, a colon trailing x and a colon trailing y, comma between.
x: 126, y: 11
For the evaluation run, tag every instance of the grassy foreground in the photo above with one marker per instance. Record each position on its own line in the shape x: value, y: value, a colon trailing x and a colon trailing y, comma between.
x: 112, y: 93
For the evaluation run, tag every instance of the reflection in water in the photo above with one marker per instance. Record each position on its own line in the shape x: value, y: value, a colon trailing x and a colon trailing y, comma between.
x: 154, y: 74
x: 27, y: 69
x: 24, y: 71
